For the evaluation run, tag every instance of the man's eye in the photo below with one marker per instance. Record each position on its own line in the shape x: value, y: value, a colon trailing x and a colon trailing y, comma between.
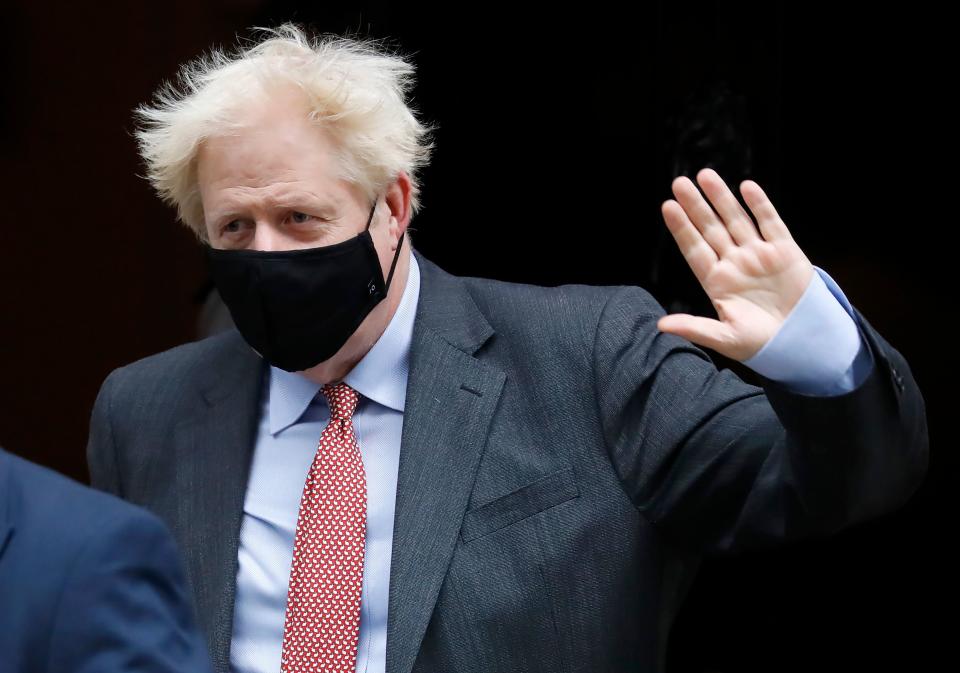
x: 299, y: 217
x: 231, y: 227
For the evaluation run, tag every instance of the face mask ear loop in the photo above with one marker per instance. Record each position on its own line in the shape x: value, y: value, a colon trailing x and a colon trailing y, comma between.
x: 396, y: 255
x: 370, y: 219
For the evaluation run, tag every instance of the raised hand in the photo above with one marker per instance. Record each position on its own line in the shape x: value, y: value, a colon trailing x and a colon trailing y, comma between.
x: 753, y: 278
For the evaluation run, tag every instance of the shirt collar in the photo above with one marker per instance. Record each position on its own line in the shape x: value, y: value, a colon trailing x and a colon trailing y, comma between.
x: 381, y: 375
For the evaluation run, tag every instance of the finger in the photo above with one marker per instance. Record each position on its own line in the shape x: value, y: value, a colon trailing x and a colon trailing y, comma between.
x: 771, y: 226
x: 702, y: 216
x: 699, y: 254
x: 702, y: 331
x: 738, y: 222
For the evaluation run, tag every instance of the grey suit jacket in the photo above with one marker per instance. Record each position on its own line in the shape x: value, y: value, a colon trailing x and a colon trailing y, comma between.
x: 563, y: 467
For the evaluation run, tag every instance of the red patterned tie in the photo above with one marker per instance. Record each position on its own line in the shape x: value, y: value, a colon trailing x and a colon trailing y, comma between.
x: 323, y: 601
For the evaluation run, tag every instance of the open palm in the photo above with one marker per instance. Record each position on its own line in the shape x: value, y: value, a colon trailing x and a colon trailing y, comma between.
x: 753, y: 278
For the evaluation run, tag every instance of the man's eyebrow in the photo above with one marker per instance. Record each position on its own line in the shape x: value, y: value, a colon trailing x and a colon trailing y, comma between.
x: 323, y: 206
x: 319, y: 204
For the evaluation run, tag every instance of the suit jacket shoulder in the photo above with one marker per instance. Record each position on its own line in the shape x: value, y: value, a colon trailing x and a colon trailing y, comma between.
x: 79, y: 569
x: 548, y: 318
x: 152, y: 395
x: 169, y: 375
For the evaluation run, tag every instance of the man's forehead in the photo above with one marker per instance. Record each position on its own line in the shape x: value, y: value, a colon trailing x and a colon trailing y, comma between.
x: 282, y: 193
x: 290, y: 134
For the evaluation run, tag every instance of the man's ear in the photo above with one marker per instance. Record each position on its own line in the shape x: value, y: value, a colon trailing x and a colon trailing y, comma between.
x: 397, y: 198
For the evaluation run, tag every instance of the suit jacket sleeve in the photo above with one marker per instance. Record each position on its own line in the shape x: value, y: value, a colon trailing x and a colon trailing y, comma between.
x: 125, y: 607
x: 101, y: 450
x: 720, y: 465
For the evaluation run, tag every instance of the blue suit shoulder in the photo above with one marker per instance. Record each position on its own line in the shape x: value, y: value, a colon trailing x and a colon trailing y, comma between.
x: 65, y: 512
x: 90, y: 582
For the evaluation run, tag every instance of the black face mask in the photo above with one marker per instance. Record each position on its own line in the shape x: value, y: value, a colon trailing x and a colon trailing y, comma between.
x: 296, y: 308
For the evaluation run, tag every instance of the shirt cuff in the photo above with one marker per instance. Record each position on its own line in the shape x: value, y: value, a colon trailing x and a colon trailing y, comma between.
x: 819, y: 349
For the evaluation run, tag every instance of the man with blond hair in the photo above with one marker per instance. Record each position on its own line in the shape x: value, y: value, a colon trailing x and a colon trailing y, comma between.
x: 389, y: 468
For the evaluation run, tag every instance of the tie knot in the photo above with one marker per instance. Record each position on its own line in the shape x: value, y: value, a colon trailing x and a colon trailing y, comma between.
x: 342, y: 400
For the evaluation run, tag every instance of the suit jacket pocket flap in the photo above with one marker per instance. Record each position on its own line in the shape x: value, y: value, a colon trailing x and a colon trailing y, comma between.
x: 546, y: 492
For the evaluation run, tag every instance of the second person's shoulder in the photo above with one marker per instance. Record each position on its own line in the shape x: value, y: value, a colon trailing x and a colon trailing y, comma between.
x: 69, y: 515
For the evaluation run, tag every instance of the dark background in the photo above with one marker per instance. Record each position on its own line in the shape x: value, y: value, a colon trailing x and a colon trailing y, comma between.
x: 559, y: 134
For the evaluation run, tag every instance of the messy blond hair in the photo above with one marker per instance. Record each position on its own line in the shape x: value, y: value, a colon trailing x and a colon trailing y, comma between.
x: 356, y: 90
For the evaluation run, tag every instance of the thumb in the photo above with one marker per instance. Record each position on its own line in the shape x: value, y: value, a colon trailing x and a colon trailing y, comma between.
x: 701, y: 331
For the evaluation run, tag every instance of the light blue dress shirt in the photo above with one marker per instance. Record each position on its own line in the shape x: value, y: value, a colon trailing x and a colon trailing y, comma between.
x: 817, y: 349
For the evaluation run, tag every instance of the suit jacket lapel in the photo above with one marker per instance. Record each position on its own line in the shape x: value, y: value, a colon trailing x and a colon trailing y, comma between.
x: 214, y: 449
x: 451, y: 397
